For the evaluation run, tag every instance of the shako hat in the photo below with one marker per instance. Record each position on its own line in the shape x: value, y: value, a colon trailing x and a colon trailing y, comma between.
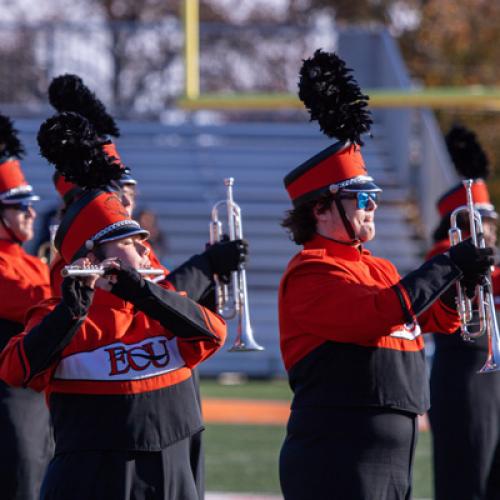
x: 68, y: 92
x: 471, y: 162
x: 69, y: 191
x: 126, y: 178
x: 70, y: 143
x: 333, y: 98
x: 14, y: 189
x: 98, y: 216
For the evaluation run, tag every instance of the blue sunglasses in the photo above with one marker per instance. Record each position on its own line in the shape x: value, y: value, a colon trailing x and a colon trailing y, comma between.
x: 362, y: 198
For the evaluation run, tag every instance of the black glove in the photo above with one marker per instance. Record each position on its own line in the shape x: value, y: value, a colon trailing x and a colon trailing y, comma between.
x: 472, y: 261
x: 76, y: 296
x: 469, y: 284
x: 226, y: 256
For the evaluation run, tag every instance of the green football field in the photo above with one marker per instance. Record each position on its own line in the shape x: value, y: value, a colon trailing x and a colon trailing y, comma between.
x: 244, y: 458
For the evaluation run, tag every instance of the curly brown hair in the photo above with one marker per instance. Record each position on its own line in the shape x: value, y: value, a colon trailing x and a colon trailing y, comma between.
x: 301, y: 221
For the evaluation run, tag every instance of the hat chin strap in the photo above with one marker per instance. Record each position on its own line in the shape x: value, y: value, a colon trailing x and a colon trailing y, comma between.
x: 347, y: 225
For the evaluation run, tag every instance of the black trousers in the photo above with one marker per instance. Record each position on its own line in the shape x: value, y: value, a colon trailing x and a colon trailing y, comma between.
x: 465, y: 424
x: 348, y: 454
x: 123, y: 475
x: 197, y: 448
x: 25, y: 442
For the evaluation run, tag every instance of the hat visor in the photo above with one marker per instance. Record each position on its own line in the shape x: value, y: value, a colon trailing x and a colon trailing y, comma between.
x: 124, y: 232
x: 20, y: 199
x: 366, y: 186
x: 488, y: 214
x: 127, y: 180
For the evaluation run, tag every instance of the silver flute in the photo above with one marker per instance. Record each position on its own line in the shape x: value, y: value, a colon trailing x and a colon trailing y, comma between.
x: 99, y: 270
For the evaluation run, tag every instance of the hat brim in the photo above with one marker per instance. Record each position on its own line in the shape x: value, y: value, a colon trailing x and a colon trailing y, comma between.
x: 124, y: 232
x: 127, y: 181
x: 20, y: 199
x: 366, y: 186
x: 488, y: 214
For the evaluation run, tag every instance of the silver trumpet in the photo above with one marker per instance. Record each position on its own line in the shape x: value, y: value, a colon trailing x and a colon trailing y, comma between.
x: 48, y: 247
x: 232, y: 299
x: 486, y: 321
x: 99, y: 271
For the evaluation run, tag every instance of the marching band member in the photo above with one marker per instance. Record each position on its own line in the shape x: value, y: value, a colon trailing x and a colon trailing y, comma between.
x: 114, y: 353
x: 465, y: 406
x: 350, y: 326
x: 68, y: 93
x: 26, y: 445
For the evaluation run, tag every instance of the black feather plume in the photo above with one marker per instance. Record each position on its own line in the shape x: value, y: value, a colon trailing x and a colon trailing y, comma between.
x: 69, y: 93
x: 468, y: 156
x: 333, y: 97
x: 69, y: 141
x: 8, y: 139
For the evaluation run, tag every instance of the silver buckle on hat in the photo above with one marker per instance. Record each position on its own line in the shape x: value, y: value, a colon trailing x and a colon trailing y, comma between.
x: 334, y: 188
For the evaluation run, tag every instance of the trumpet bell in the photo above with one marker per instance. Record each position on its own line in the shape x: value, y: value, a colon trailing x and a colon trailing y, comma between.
x: 232, y: 298
x: 492, y: 363
x: 245, y: 345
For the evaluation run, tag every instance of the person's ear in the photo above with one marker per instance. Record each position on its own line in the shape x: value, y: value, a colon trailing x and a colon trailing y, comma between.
x: 316, y: 211
x: 321, y: 213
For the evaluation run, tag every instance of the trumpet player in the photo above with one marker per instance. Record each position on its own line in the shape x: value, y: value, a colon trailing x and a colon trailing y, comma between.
x: 25, y: 448
x: 465, y: 406
x: 114, y: 354
x: 350, y: 326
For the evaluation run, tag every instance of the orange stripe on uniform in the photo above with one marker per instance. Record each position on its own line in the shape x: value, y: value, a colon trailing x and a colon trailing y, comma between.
x: 121, y: 387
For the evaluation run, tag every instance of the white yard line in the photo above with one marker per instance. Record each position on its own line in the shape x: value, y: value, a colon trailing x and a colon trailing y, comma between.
x: 252, y: 496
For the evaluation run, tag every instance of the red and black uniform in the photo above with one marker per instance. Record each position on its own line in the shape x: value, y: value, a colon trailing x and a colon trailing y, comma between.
x: 116, y: 367
x: 464, y: 414
x: 195, y: 279
x: 24, y: 420
x: 118, y: 383
x: 351, y: 341
x: 350, y: 326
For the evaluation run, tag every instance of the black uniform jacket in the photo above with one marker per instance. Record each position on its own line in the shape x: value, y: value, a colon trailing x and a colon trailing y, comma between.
x: 123, y: 381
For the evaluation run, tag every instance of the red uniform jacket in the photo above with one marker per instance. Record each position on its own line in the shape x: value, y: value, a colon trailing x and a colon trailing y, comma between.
x: 24, y: 281
x: 123, y: 381
x: 343, y: 335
